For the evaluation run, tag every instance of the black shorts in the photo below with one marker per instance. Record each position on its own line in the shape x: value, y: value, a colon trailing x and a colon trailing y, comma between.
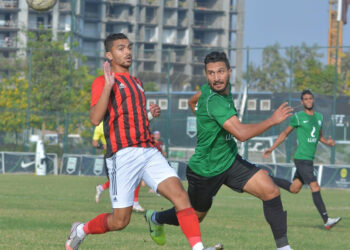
x: 201, y: 190
x: 305, y: 171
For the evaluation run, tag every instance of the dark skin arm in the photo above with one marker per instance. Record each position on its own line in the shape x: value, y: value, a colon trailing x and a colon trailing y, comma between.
x: 244, y: 132
x: 193, y: 100
x: 98, y: 111
x: 280, y: 139
x: 330, y: 142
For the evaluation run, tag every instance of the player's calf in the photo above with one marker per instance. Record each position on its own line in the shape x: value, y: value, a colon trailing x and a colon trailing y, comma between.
x: 277, y: 218
x: 120, y: 218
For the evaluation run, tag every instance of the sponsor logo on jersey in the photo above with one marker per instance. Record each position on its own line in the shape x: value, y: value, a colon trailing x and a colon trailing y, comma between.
x: 229, y: 137
x: 311, y: 140
x: 121, y: 86
x: 319, y: 122
x: 313, y: 132
x: 306, y: 121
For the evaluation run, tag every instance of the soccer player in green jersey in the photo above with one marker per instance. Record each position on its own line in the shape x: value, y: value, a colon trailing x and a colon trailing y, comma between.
x: 216, y: 161
x: 308, y: 125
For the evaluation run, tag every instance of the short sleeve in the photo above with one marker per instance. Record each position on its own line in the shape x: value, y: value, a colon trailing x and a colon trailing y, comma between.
x: 321, y: 121
x: 220, y: 109
x: 294, y: 122
x: 96, y: 90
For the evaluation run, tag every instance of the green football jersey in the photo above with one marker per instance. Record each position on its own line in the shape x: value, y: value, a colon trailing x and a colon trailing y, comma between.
x: 308, y: 133
x: 216, y: 148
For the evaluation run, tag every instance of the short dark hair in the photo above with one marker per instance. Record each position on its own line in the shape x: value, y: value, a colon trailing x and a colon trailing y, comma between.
x: 306, y: 92
x: 216, y: 56
x: 111, y: 38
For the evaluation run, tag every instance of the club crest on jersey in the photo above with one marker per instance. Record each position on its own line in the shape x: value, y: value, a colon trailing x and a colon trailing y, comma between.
x: 138, y: 85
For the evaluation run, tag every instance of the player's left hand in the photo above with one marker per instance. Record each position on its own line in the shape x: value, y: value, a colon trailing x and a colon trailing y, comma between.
x: 330, y: 142
x: 155, y: 110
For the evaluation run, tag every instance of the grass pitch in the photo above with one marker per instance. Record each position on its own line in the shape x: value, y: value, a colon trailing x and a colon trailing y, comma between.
x: 37, y: 212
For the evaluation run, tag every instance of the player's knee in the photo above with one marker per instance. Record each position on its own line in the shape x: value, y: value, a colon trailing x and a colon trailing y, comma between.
x: 315, y: 188
x: 181, y: 196
x: 200, y: 217
x: 270, y: 192
x: 119, y: 223
x: 294, y: 190
x: 273, y: 192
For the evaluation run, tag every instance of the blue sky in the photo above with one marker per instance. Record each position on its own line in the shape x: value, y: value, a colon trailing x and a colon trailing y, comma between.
x: 288, y: 22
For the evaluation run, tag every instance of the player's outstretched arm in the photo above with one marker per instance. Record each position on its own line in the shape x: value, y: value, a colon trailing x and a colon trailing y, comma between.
x: 193, y: 100
x: 244, y: 132
x: 98, y: 111
x: 330, y: 142
x: 280, y: 139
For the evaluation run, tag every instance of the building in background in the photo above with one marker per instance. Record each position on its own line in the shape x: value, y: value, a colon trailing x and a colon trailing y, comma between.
x: 171, y: 37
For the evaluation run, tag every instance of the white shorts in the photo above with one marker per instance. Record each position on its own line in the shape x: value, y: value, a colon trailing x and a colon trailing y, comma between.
x: 128, y: 166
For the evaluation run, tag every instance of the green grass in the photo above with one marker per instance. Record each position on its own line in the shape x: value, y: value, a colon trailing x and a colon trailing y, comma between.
x: 37, y: 212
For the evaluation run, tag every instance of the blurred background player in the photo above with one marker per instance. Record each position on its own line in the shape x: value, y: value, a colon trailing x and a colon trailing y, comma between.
x: 308, y: 125
x: 98, y: 138
x: 158, y: 143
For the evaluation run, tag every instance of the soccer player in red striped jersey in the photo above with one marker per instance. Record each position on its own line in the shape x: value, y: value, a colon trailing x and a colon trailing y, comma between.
x: 118, y: 99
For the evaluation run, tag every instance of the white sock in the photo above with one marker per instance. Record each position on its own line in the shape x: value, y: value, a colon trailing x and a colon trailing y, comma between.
x: 136, y: 203
x: 100, y: 188
x: 80, y: 231
x: 198, y: 246
x: 284, y: 248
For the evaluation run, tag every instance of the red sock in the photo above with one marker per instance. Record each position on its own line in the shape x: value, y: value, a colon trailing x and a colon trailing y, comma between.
x: 189, y: 224
x: 136, y: 194
x: 105, y: 185
x: 97, y: 225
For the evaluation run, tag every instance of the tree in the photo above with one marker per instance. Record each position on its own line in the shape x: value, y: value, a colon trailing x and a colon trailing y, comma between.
x: 308, y: 70
x: 317, y: 77
x: 272, y: 74
x: 151, y: 86
x: 53, y: 86
x: 345, y: 72
x: 13, y: 92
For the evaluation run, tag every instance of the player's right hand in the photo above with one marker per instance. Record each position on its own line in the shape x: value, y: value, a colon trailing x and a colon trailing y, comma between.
x: 267, y: 153
x: 109, y: 76
x: 282, y: 113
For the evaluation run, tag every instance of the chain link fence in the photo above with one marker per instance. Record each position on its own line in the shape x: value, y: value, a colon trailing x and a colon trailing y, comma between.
x: 46, y: 94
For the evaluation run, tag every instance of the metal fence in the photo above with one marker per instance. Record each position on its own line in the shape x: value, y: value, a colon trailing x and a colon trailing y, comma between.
x: 46, y: 93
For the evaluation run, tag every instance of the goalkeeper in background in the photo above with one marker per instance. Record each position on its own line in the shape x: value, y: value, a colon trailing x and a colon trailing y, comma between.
x: 99, y: 141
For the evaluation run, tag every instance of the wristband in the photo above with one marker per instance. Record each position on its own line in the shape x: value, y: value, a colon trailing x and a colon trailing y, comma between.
x: 149, y: 116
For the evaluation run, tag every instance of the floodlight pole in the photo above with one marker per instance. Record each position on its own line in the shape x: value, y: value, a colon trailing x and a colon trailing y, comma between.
x: 291, y: 77
x: 332, y: 160
x: 66, y: 123
x: 28, y: 99
x: 167, y: 132
x: 245, y: 144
